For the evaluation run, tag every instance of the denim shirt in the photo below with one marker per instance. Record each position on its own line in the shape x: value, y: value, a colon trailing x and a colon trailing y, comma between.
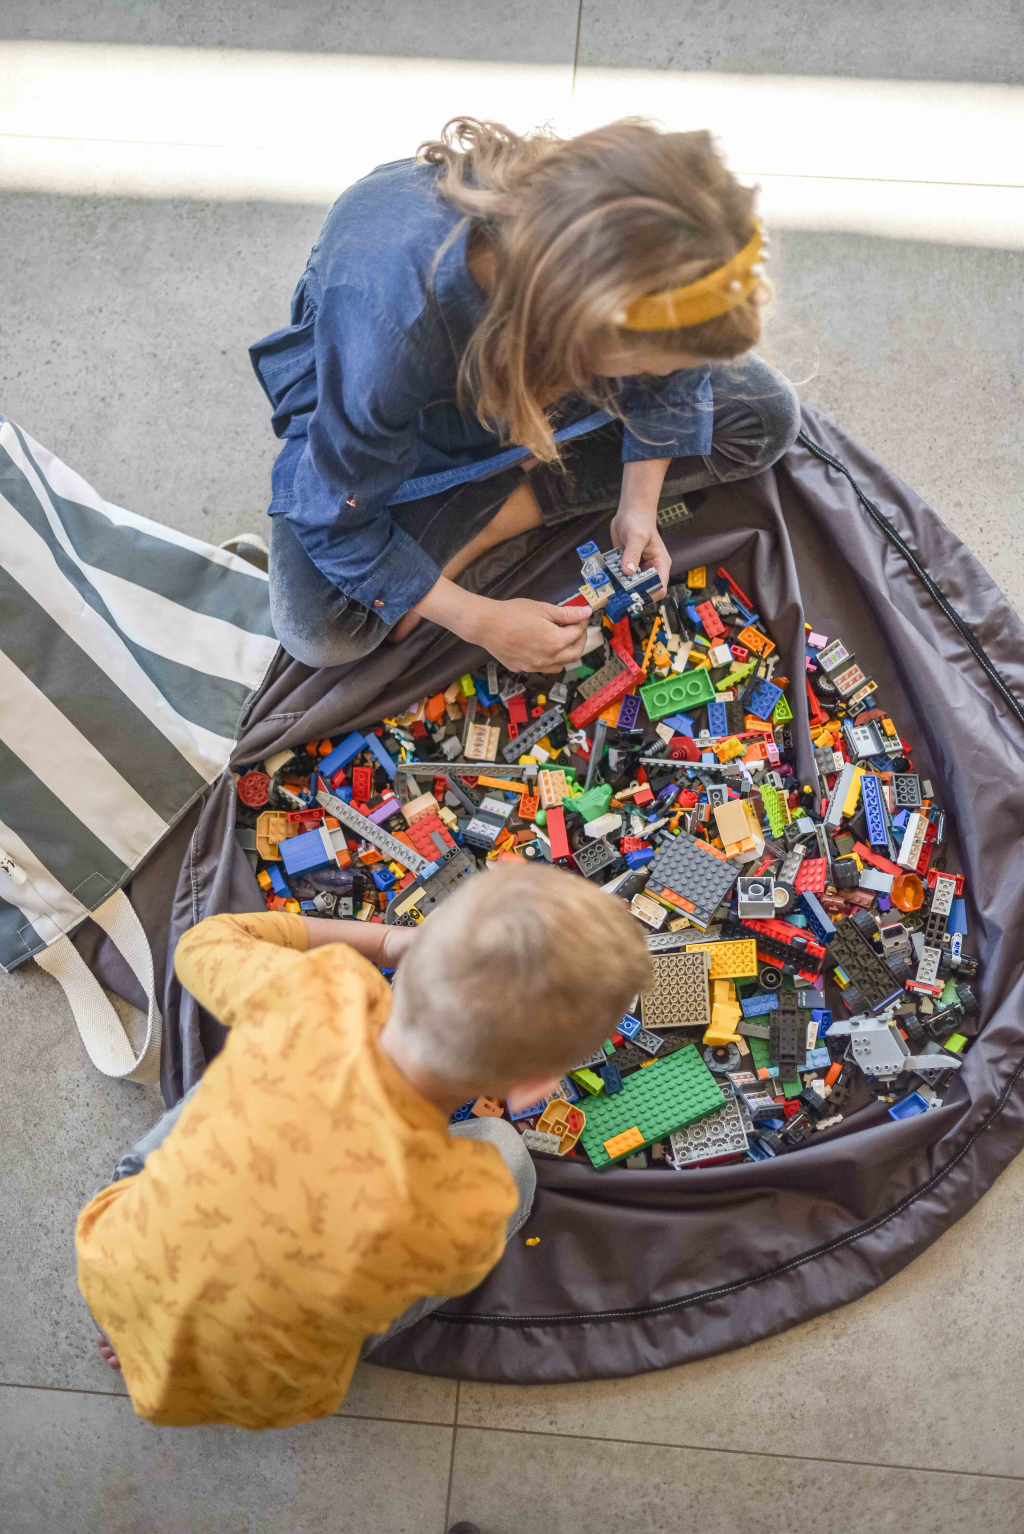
x: 363, y: 381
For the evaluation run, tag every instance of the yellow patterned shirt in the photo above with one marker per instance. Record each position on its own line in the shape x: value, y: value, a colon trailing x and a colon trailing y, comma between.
x: 306, y: 1196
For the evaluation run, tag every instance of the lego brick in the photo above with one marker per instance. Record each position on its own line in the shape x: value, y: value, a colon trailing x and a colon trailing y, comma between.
x: 657, y: 1101
x: 852, y: 949
x: 548, y: 1145
x: 482, y: 743
x: 757, y: 1006
x: 629, y: 712
x: 811, y: 876
x: 340, y: 757
x: 906, y: 791
x: 554, y: 787
x: 718, y: 720
x: 689, y: 874
x: 528, y: 738
x: 612, y: 668
x: 719, y: 1134
x: 760, y: 700
x: 735, y: 960
x: 649, y: 1042
x: 595, y: 857
x: 671, y: 694
x: 874, y: 810
x: 775, y: 808
x: 679, y: 995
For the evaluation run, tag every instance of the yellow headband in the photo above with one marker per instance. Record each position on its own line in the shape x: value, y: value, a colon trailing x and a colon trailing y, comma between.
x: 704, y: 299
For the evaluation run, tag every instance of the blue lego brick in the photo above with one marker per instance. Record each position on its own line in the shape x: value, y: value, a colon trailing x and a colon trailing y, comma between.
x: 682, y: 724
x: 899, y: 822
x: 383, y: 878
x: 385, y: 759
x: 462, y: 1114
x: 488, y: 699
x: 823, y: 1017
x: 640, y: 857
x: 629, y: 711
x: 566, y: 1089
x: 629, y: 1027
x: 532, y: 1112
x: 301, y: 853
x: 584, y: 550
x: 620, y: 604
x: 718, y: 719
x: 957, y: 919
x: 817, y: 1060
x: 757, y: 1006
x: 818, y: 918
x: 308, y: 908
x: 612, y: 1078
x: 341, y: 755
x: 908, y: 1107
x: 874, y: 810
x: 760, y: 699
x: 278, y: 883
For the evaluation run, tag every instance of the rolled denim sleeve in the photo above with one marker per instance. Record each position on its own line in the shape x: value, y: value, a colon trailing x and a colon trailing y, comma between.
x: 372, y: 383
x: 668, y: 417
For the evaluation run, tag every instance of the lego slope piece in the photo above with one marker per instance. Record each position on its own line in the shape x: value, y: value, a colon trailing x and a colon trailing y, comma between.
x: 679, y: 995
x: 657, y: 1101
x: 691, y: 875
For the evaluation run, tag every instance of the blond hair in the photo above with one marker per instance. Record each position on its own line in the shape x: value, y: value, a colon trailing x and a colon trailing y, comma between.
x: 521, y: 974
x: 580, y: 228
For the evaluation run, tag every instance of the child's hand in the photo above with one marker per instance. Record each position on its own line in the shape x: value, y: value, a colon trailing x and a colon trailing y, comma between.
x: 636, y: 534
x: 531, y: 636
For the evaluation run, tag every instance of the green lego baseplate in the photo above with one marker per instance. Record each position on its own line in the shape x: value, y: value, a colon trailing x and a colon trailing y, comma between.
x: 671, y: 1094
x: 670, y: 694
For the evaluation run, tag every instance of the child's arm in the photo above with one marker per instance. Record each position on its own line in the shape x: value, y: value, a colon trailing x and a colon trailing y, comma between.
x: 634, y: 528
x: 382, y: 945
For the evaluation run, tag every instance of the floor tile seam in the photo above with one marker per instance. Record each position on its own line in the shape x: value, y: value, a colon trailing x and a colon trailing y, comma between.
x: 699, y: 1448
x: 451, y: 1457
x: 120, y: 1395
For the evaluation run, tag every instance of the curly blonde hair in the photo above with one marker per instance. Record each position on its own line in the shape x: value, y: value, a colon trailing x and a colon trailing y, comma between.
x: 580, y: 228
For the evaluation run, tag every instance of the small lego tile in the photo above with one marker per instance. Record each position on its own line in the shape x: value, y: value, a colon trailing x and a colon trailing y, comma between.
x: 671, y: 694
x: 657, y: 1101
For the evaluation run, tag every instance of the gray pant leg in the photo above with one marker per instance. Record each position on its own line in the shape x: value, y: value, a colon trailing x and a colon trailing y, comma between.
x: 520, y: 1163
x: 135, y: 1159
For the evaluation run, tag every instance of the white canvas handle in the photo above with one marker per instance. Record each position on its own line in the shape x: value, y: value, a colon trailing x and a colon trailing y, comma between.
x: 103, y: 1033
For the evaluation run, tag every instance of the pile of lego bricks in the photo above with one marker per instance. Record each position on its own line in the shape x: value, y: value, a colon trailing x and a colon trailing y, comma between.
x: 807, y: 943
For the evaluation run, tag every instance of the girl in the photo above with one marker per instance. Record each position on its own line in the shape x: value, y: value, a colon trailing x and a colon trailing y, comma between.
x: 499, y: 335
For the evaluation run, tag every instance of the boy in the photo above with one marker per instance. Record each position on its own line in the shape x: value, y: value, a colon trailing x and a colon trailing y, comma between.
x: 308, y: 1195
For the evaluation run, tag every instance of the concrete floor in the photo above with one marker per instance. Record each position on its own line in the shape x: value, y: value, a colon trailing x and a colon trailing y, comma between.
x: 125, y: 321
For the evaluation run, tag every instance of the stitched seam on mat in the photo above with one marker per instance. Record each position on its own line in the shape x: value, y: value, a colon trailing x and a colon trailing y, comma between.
x: 582, y: 1317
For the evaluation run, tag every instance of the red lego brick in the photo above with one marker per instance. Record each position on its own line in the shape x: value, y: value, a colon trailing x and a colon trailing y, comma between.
x: 362, y: 783
x: 420, y: 833
x: 556, y: 832
x: 812, y: 876
x: 713, y: 625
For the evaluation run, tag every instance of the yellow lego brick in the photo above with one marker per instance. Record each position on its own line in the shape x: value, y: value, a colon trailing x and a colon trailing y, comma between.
x: 697, y: 578
x: 853, y: 797
x: 629, y: 1139
x: 730, y: 961
x: 728, y: 748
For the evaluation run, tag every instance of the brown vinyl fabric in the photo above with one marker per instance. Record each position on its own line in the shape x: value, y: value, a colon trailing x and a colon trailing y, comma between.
x: 637, y: 1271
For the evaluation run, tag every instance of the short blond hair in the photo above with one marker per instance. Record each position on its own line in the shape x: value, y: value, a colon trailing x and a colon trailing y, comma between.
x: 522, y: 974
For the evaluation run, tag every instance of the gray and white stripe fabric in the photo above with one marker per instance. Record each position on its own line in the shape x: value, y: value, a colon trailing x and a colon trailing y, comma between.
x: 128, y: 653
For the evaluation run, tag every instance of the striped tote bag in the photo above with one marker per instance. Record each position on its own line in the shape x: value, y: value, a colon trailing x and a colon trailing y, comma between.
x: 128, y: 655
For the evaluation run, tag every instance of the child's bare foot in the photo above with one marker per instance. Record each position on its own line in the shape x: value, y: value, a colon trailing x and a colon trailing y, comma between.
x: 107, y: 1353
x: 404, y: 627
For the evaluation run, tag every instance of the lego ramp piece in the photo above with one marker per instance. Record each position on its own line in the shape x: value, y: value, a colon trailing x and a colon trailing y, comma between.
x: 692, y: 876
x: 656, y: 1101
x: 679, y: 995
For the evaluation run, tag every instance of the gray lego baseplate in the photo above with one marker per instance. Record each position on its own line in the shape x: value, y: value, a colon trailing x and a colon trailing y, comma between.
x: 679, y: 995
x: 721, y: 1134
x: 688, y: 869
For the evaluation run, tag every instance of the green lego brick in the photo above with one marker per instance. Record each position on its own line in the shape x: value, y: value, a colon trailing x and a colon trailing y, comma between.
x: 669, y: 694
x: 671, y: 1094
x: 594, y: 802
x: 775, y: 809
x: 782, y: 713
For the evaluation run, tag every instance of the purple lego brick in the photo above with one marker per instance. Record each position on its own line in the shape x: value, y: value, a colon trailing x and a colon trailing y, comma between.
x: 629, y: 712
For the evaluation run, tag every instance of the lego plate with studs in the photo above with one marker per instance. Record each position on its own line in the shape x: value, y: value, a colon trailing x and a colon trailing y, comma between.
x: 808, y: 942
